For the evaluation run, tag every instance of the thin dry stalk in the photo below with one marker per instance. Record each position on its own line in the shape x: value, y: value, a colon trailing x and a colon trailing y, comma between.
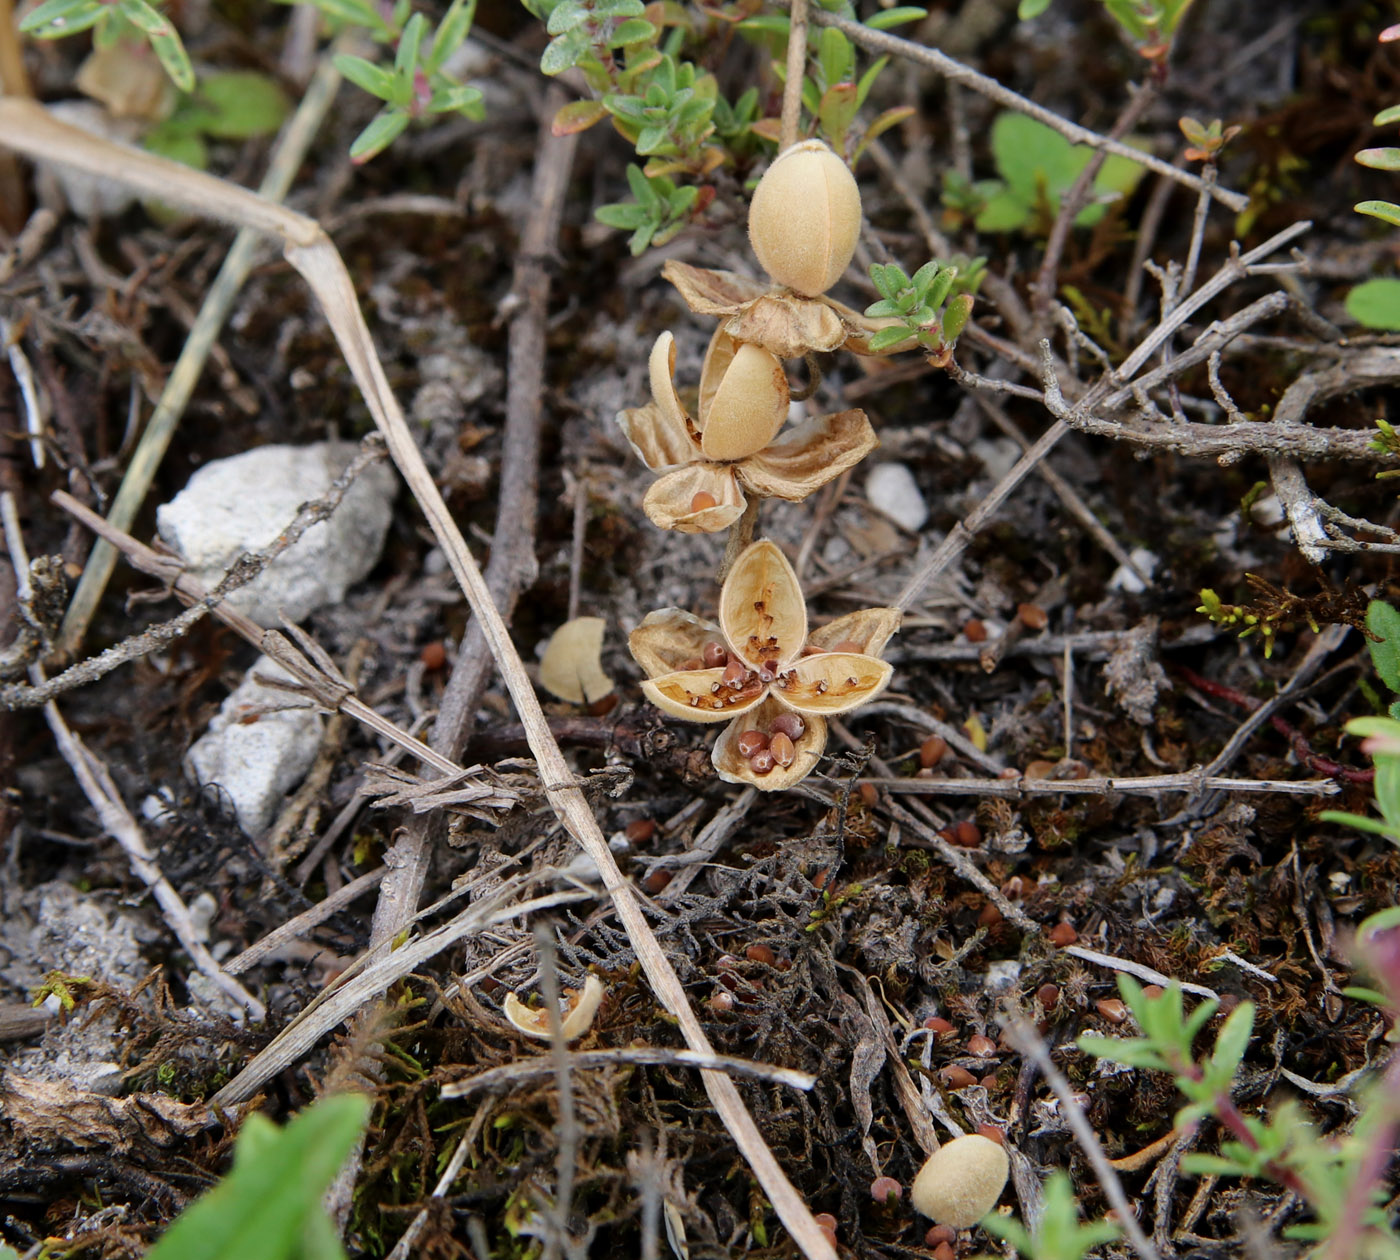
x: 184, y: 376
x: 28, y: 128
x: 883, y: 43
x: 796, y: 70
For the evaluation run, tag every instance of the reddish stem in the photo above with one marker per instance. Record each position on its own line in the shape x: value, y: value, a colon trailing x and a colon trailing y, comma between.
x: 1298, y: 741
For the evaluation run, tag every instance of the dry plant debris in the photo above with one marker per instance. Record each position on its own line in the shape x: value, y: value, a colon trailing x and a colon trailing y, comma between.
x: 1128, y: 789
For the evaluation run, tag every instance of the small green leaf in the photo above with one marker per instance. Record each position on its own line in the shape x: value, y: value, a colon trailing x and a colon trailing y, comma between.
x: 406, y: 55
x: 898, y: 16
x: 835, y: 56
x: 955, y: 317
x: 452, y: 31
x: 366, y: 75
x: 1387, y: 159
x: 1383, y: 621
x: 578, y: 116
x: 386, y: 127
x: 1387, y: 116
x: 887, y: 337
x: 237, y: 104
x: 567, y: 17
x: 459, y: 98
x: 622, y: 214
x: 1376, y: 303
x: 632, y: 31
x: 1029, y: 9
x: 1373, y: 825
x: 564, y: 53
x: 65, y: 12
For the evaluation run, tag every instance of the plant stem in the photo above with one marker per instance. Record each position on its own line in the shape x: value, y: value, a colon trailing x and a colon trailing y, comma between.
x: 796, y: 69
x: 740, y: 536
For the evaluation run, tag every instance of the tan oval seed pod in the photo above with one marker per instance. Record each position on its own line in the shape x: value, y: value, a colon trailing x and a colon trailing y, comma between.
x: 805, y: 218
x: 961, y: 1181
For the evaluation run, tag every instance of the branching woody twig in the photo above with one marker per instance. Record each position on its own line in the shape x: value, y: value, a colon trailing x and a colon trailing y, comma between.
x: 1142, y: 785
x: 881, y: 42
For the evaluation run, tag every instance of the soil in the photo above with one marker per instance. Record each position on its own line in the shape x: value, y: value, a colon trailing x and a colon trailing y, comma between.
x: 819, y: 929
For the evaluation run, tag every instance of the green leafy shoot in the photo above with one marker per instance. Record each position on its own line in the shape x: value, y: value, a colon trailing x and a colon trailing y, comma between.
x: 227, y: 105
x: 416, y: 85
x: 269, y: 1204
x: 1376, y: 303
x: 1059, y: 1235
x: 1381, y: 736
x: 918, y: 303
x: 659, y: 209
x: 109, y: 20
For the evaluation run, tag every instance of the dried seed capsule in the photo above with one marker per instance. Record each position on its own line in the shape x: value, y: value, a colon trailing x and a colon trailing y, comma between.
x: 961, y: 1181
x: 701, y: 500
x: 714, y: 654
x: 762, y: 761
x: 846, y: 645
x: 790, y: 724
x: 782, y: 749
x: 692, y: 662
x: 805, y: 218
x: 751, y: 742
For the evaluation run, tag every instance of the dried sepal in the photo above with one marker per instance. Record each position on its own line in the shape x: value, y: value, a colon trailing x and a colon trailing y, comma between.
x: 743, y: 398
x: 869, y: 629
x: 733, y: 767
x: 788, y: 325
x: 804, y: 219
x: 834, y: 682
x: 711, y: 292
x: 671, y: 501
x: 699, y: 695
x: 571, y: 667
x: 668, y: 638
x: 809, y: 455
x: 761, y: 608
x: 660, y: 440
x: 580, y: 1010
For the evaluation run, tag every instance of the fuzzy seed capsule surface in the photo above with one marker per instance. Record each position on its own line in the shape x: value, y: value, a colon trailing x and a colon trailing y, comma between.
x: 962, y: 1181
x: 805, y: 218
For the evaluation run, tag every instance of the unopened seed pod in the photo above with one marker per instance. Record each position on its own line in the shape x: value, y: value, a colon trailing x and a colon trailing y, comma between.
x: 962, y: 1181
x: 805, y: 218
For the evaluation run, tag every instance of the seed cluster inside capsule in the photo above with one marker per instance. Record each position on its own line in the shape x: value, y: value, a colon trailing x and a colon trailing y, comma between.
x: 777, y: 746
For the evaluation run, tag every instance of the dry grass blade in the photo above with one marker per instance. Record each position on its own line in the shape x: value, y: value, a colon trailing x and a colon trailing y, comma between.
x: 27, y: 128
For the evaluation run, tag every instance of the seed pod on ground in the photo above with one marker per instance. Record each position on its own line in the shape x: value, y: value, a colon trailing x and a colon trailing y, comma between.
x: 805, y: 218
x: 962, y: 1181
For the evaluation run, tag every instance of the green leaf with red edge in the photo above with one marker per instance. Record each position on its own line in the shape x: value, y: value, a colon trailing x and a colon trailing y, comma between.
x: 578, y: 116
x: 1385, y: 159
x: 881, y: 124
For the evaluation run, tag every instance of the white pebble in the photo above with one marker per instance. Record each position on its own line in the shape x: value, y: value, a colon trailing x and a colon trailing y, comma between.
x: 892, y: 489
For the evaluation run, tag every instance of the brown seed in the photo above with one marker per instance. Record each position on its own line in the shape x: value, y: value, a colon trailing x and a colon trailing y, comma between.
x: 825, y: 1220
x: 992, y: 1131
x: 603, y: 705
x: 829, y: 1234
x: 640, y: 830
x: 433, y: 655
x: 886, y: 1190
x: 983, y: 1047
x: 762, y: 761
x: 811, y: 649
x: 869, y: 795
x: 1039, y: 769
x: 701, y: 500
x: 789, y: 724
x: 761, y: 954
x: 939, y: 1026
x: 989, y: 1081
x: 957, y: 1077
x: 932, y: 751
x: 941, y: 1235
x: 1063, y: 934
x: 693, y: 662
x: 990, y: 916
x: 1033, y: 616
x: 721, y: 1001
x: 657, y: 880
x: 846, y: 645
x: 1228, y: 1002
x: 750, y: 741
x: 1112, y: 1009
x: 734, y: 673
x: 974, y: 631
x: 1013, y: 887
x: 967, y: 834
x: 1152, y: 990
x: 714, y: 654
x: 944, y: 1251
x: 781, y: 748
x: 1048, y: 995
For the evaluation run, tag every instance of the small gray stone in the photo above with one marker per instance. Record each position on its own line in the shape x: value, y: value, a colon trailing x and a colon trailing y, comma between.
x: 256, y: 762
x: 241, y: 504
x: 892, y: 489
